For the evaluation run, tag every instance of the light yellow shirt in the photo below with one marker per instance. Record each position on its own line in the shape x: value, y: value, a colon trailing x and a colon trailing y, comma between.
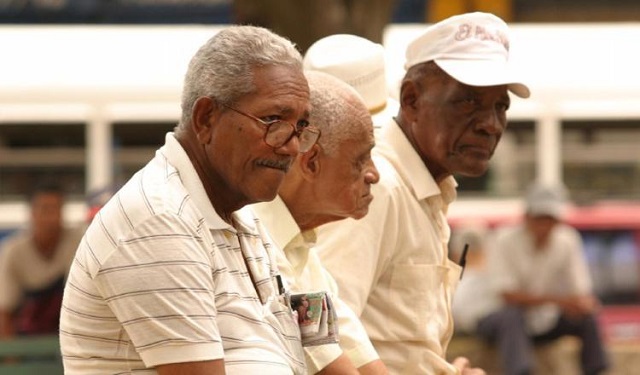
x: 303, y: 272
x: 392, y: 266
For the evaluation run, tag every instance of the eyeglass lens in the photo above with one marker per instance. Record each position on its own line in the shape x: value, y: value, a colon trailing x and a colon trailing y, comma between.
x: 281, y: 132
x: 278, y: 133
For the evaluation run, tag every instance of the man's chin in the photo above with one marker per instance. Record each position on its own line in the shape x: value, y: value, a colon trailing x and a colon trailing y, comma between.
x: 264, y: 196
x: 475, y: 168
x: 360, y: 214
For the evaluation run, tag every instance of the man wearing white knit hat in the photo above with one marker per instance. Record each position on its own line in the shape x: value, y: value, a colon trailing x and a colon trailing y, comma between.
x: 392, y: 266
x: 360, y: 63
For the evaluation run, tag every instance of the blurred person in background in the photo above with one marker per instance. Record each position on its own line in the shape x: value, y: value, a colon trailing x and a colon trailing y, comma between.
x: 474, y: 298
x: 34, y: 263
x: 540, y: 272
x: 360, y: 63
x: 392, y: 266
x: 174, y: 275
x: 330, y: 182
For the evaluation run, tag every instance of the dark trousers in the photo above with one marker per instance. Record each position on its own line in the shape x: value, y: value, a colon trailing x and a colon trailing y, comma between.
x: 506, y: 329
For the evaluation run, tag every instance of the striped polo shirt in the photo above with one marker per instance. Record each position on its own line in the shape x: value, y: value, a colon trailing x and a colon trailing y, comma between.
x: 160, y: 278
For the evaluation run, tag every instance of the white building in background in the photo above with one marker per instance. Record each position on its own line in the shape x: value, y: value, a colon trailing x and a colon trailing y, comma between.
x: 87, y: 104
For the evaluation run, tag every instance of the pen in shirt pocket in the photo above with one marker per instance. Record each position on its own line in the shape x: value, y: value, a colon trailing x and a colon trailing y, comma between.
x: 284, y: 293
x: 463, y: 258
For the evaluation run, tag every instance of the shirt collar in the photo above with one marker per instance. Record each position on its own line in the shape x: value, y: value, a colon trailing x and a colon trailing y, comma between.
x: 178, y: 158
x: 395, y: 147
x: 280, y: 224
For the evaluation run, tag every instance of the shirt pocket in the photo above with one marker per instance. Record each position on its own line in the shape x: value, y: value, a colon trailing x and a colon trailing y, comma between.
x: 290, y: 336
x: 418, y: 294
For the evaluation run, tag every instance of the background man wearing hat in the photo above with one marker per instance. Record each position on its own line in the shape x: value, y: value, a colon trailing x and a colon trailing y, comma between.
x: 360, y: 63
x: 539, y: 270
x: 392, y: 265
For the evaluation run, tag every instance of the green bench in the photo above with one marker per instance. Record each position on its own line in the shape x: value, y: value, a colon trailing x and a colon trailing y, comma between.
x: 29, y: 355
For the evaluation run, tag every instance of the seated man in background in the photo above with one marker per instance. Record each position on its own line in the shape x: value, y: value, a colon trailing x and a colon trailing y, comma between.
x: 474, y: 298
x: 34, y: 263
x: 173, y: 276
x: 329, y: 182
x: 540, y: 272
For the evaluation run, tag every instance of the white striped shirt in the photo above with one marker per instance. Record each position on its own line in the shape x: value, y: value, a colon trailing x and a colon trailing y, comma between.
x: 160, y: 278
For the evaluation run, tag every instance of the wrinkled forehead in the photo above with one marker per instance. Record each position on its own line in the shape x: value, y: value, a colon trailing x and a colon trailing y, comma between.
x: 281, y: 87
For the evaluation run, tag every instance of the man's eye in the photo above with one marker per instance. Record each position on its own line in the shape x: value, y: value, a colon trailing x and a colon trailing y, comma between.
x: 270, y: 119
x: 302, y: 124
x: 470, y: 101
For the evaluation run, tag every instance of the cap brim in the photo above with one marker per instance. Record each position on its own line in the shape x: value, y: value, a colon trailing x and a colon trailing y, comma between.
x: 483, y: 73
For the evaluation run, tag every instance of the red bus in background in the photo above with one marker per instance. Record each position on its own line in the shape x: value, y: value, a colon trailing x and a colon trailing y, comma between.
x: 611, y: 234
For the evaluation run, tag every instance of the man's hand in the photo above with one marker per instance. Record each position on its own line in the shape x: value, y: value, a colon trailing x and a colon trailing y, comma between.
x: 341, y: 365
x: 576, y: 306
x: 462, y: 364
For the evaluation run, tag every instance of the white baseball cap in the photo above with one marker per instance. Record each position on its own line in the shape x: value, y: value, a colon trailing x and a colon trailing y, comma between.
x: 545, y: 200
x: 356, y: 61
x: 473, y: 48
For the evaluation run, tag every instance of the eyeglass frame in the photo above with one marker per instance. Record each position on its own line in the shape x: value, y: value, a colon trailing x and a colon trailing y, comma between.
x: 296, y: 132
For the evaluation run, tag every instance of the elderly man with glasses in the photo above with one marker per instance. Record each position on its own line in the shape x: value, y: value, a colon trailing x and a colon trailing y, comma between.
x: 173, y: 275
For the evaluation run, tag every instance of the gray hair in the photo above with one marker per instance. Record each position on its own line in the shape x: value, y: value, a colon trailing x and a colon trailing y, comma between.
x: 336, y: 109
x: 223, y: 67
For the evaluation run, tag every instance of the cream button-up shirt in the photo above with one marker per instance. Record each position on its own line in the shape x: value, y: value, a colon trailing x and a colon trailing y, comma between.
x: 392, y: 266
x: 303, y: 272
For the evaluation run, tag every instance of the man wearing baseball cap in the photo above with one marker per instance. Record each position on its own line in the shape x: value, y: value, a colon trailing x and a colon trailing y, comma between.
x: 392, y: 266
x: 541, y: 276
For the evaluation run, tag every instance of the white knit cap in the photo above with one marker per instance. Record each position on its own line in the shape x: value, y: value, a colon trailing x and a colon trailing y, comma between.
x: 473, y: 48
x: 355, y: 60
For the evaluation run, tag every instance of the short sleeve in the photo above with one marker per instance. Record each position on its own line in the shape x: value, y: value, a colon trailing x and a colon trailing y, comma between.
x: 158, y: 284
x: 9, y: 286
x: 579, y: 277
x: 502, y: 275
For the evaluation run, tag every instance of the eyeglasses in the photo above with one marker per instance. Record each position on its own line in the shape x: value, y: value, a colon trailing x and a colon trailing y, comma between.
x: 280, y: 132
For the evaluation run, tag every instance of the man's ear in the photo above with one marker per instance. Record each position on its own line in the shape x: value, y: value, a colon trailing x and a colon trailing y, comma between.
x: 409, y: 94
x: 203, y: 116
x: 310, y: 162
